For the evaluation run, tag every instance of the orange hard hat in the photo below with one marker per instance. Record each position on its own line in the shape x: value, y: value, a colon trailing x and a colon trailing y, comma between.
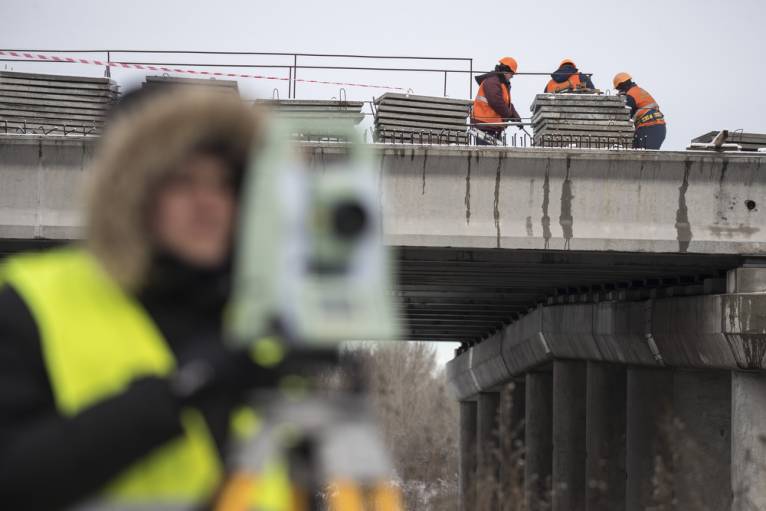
x: 510, y: 62
x: 621, y: 78
x: 567, y: 61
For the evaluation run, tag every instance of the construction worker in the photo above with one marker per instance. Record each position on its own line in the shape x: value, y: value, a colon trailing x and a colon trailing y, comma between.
x: 567, y: 78
x: 493, y: 107
x: 645, y: 112
x: 116, y: 389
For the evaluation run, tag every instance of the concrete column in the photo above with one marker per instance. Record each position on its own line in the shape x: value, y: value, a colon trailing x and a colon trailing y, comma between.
x: 569, y: 399
x: 511, y: 428
x: 486, y: 428
x: 487, y: 445
x: 538, y: 438
x: 701, y: 440
x: 748, y: 440
x: 467, y: 455
x: 650, y: 400
x: 605, y: 444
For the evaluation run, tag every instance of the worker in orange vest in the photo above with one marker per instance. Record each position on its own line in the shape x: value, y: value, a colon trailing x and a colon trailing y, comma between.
x: 567, y: 78
x: 645, y: 112
x: 493, y: 105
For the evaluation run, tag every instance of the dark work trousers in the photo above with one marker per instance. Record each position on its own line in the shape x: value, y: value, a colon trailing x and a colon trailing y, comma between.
x: 650, y: 137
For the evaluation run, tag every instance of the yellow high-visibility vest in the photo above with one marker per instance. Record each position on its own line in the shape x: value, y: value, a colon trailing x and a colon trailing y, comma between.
x: 96, y: 339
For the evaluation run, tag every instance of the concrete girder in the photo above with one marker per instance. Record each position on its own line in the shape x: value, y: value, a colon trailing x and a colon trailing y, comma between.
x: 468, y: 197
x: 725, y: 331
x: 715, y: 331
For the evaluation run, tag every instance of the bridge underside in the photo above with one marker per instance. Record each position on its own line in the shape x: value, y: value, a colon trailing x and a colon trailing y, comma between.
x: 464, y: 295
x: 450, y: 294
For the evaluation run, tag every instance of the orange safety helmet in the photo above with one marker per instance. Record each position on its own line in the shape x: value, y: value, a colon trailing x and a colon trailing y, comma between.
x: 510, y: 62
x: 620, y: 78
x: 567, y: 61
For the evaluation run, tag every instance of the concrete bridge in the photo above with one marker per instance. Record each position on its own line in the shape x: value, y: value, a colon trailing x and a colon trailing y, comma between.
x: 618, y: 296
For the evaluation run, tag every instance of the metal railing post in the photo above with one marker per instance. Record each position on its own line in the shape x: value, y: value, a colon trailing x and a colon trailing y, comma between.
x: 470, y: 79
x: 295, y: 74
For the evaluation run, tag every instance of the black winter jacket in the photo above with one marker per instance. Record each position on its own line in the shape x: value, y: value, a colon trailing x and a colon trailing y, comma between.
x: 48, y: 461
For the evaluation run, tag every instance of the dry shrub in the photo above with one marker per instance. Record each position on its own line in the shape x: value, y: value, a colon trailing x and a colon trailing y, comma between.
x: 418, y: 419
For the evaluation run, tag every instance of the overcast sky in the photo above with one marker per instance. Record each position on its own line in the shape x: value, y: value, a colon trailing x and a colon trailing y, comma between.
x: 701, y: 59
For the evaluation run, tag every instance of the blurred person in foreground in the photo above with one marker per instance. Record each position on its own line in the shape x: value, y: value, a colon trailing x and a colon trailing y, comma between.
x: 116, y: 388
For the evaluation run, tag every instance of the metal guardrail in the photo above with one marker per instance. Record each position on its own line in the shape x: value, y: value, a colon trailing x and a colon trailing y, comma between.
x: 291, y: 63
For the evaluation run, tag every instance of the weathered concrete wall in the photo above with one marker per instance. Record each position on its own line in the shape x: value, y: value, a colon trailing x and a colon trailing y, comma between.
x: 578, y: 200
x: 479, y: 197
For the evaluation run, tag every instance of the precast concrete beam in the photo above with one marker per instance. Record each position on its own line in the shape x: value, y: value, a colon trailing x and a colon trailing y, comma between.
x: 714, y: 331
x: 467, y: 455
x: 689, y: 332
x: 701, y: 440
x: 474, y: 197
x: 538, y: 439
x: 568, y: 329
x: 460, y: 378
x: 748, y: 441
x: 573, y: 200
x: 621, y: 331
x: 722, y: 331
x: 487, y: 365
x: 569, y: 435
x: 606, y: 429
x: 523, y: 343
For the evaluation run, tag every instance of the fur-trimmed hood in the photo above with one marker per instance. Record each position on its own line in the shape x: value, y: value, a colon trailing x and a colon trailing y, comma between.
x: 138, y: 152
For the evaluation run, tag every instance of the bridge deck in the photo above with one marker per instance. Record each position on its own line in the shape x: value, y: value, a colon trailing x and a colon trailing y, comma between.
x: 487, y: 233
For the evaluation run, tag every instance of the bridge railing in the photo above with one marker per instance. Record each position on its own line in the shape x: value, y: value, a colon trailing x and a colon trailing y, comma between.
x: 289, y: 67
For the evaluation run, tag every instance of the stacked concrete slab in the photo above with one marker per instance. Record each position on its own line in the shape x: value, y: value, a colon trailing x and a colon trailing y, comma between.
x: 729, y: 141
x: 421, y: 119
x: 581, y: 120
x: 54, y: 104
x: 312, y: 111
x: 154, y: 82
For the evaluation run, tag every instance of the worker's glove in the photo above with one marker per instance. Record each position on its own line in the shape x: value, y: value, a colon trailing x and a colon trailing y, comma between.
x: 212, y: 368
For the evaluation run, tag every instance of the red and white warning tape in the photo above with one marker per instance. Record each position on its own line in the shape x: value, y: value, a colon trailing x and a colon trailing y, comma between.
x: 56, y: 58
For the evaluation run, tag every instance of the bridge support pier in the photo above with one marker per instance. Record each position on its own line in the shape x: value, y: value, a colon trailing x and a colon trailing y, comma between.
x: 748, y: 440
x: 569, y: 399
x: 487, y: 443
x: 538, y: 437
x: 467, y: 454
x: 648, y: 464
x: 701, y: 439
x: 512, y: 428
x: 605, y: 444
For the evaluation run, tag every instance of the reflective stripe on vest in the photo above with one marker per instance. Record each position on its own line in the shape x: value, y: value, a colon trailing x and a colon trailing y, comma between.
x: 647, y: 110
x: 96, y: 340
x: 572, y: 83
x: 483, y: 112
